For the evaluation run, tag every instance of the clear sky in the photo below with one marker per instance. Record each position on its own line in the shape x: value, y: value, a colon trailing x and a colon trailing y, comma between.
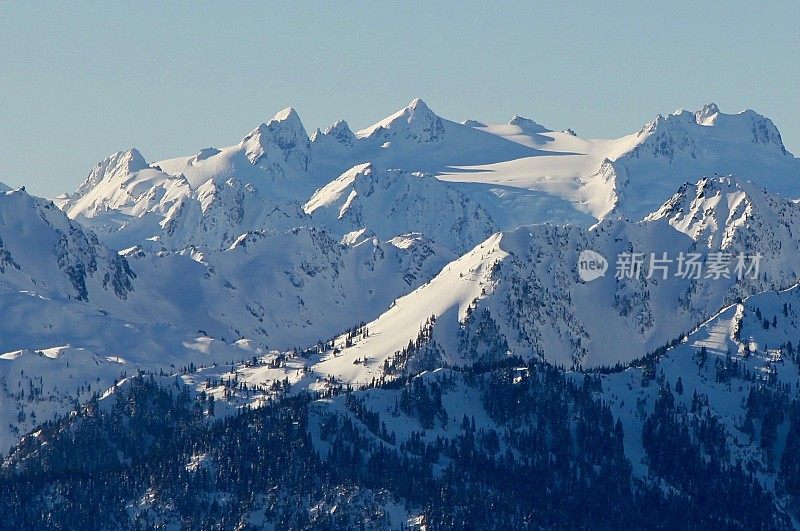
x: 79, y: 81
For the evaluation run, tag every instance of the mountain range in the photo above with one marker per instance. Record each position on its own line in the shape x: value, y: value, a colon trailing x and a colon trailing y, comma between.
x: 354, y: 267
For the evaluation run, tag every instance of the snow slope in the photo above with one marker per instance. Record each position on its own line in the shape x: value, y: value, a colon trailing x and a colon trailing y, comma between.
x: 42, y: 250
x: 389, y: 202
x: 288, y: 289
x: 524, y: 293
x: 632, y: 175
x: 738, y: 334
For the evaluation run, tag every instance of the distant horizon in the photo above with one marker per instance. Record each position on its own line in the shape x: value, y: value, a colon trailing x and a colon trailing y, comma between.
x: 82, y: 82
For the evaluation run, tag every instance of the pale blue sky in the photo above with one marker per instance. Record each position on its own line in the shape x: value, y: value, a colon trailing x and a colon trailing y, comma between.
x: 79, y: 81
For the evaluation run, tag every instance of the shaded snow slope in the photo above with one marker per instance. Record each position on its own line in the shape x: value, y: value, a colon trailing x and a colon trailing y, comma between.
x: 42, y: 250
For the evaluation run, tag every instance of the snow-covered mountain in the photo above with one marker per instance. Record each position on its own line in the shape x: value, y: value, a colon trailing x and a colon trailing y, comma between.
x: 86, y: 315
x: 519, y: 173
x: 42, y: 251
x: 632, y: 175
x: 419, y: 250
x: 522, y: 290
x: 288, y: 289
x: 260, y: 183
x: 268, y: 238
x: 423, y: 280
x: 734, y: 215
x: 705, y: 432
x: 389, y: 202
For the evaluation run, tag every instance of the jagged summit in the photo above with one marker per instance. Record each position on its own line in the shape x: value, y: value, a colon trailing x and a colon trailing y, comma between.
x: 130, y: 160
x: 726, y: 211
x: 114, y: 167
x: 707, y: 114
x: 416, y: 123
x: 339, y: 125
x: 710, y: 125
x: 283, y: 139
x: 522, y: 171
x: 694, y: 200
x: 134, y: 159
x: 285, y: 120
x: 527, y: 125
x: 339, y: 132
x: 123, y: 182
x: 204, y: 154
x: 287, y: 114
x: 418, y: 105
x: 336, y: 188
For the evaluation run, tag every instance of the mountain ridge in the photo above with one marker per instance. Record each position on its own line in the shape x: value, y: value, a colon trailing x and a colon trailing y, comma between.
x: 390, y: 281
